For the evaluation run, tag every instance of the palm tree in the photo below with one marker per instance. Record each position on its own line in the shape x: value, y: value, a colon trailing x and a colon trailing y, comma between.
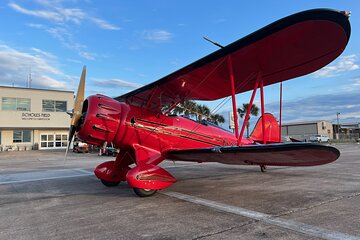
x: 186, y: 107
x: 253, y: 111
x: 202, y: 110
x: 191, y: 107
x: 217, y: 118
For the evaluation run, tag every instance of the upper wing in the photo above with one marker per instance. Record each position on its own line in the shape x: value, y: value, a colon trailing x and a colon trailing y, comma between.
x: 283, y: 154
x: 291, y: 47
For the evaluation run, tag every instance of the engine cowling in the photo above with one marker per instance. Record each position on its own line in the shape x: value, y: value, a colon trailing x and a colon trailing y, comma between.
x: 100, y: 120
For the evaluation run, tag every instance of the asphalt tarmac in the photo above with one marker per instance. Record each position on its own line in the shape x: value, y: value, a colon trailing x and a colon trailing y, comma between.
x: 43, y: 198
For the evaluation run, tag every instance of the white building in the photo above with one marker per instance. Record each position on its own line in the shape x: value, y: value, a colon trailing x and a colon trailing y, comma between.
x: 34, y: 118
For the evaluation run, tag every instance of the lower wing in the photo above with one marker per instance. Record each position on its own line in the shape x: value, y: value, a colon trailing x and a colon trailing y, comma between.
x: 282, y: 154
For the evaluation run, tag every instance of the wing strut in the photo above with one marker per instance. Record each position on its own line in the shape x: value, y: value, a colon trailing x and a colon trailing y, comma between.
x: 258, y: 78
x: 262, y: 105
x: 280, y: 111
x: 233, y: 96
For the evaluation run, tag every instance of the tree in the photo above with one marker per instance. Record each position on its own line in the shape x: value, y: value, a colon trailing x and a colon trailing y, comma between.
x: 202, y: 110
x: 253, y: 111
x: 191, y: 107
x: 186, y: 107
x: 217, y: 118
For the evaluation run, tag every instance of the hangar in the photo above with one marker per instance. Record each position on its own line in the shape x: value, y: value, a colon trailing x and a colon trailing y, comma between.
x: 34, y: 118
x: 303, y: 130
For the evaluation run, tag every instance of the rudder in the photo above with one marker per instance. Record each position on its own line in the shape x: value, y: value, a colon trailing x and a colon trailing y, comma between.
x: 272, y: 131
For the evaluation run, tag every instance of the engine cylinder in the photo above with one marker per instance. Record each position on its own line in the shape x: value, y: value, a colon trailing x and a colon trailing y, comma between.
x: 100, y: 119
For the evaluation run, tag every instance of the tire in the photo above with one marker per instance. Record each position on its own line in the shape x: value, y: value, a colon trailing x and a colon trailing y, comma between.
x: 144, y: 192
x: 109, y: 183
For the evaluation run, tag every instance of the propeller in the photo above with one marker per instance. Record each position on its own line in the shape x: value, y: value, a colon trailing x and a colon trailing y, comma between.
x: 76, y: 112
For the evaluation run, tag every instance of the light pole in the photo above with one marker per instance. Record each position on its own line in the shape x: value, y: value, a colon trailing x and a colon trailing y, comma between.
x: 338, y: 126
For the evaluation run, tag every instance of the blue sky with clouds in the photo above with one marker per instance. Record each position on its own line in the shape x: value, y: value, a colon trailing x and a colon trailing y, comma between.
x: 127, y: 44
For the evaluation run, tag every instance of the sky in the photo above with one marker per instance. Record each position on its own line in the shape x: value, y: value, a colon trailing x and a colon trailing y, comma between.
x: 128, y: 44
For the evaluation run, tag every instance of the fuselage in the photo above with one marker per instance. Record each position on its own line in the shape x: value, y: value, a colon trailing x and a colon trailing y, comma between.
x: 107, y: 120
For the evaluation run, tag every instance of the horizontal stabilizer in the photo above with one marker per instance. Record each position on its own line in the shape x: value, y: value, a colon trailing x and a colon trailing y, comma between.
x: 282, y: 154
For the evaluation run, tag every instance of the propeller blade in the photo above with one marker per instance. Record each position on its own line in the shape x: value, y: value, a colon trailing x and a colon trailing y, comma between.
x: 71, y: 135
x: 76, y: 113
x: 79, y: 99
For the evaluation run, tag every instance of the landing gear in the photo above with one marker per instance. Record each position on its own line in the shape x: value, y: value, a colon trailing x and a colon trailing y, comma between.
x: 141, y: 192
x: 263, y: 168
x: 109, y: 183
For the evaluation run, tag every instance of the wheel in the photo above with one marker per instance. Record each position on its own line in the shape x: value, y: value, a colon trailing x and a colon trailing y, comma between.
x: 262, y: 168
x: 141, y: 192
x: 109, y: 183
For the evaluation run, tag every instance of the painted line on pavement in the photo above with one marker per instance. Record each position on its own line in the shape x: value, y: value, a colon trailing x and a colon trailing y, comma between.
x: 299, y: 227
x: 33, y: 176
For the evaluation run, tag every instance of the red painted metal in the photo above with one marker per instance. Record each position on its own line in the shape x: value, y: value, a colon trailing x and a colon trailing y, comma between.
x: 233, y: 99
x: 280, y: 117
x: 266, y: 124
x: 107, y: 171
x: 149, y: 176
x: 262, y: 106
x: 145, y: 155
x: 103, y: 119
x: 149, y: 102
x: 246, y: 119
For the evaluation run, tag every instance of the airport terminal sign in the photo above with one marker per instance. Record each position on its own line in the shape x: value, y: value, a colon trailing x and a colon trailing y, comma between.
x: 35, y: 116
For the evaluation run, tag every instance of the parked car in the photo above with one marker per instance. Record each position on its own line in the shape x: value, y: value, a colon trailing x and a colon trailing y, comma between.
x: 108, y: 151
x: 319, y: 138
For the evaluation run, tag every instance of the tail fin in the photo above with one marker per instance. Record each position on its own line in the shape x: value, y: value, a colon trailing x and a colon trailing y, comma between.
x: 272, y: 133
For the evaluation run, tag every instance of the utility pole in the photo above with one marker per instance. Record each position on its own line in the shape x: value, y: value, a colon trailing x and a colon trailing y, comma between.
x: 338, y: 126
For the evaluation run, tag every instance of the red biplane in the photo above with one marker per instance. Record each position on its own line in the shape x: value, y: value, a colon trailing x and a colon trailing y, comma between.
x: 139, y: 123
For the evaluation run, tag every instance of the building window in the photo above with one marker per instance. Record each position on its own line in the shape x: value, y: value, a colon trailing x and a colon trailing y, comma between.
x: 53, y: 141
x: 15, y: 104
x: 54, y: 106
x: 21, y: 136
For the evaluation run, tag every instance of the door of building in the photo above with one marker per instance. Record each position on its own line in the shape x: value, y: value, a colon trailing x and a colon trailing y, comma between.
x: 53, y: 141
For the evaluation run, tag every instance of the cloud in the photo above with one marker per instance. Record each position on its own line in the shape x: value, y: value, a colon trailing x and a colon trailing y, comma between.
x: 344, y: 64
x: 48, y: 15
x: 87, y: 55
x: 157, y: 35
x: 104, y: 25
x: 56, y: 13
x: 36, y: 25
x: 320, y: 107
x: 356, y: 82
x: 354, y: 85
x: 16, y: 65
x: 67, y: 40
x: 116, y: 83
